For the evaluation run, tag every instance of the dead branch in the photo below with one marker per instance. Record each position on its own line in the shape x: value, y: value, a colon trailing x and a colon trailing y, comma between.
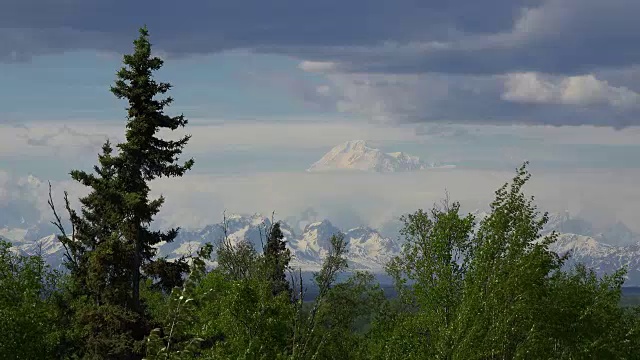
x: 63, y: 238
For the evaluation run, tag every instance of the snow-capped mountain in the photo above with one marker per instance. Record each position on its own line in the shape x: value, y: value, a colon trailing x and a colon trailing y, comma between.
x: 601, y: 257
x: 357, y: 155
x: 367, y: 248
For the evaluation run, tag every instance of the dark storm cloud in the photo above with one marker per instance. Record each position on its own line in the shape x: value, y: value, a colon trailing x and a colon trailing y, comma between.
x: 469, y: 55
x: 559, y: 37
x: 460, y: 36
x: 31, y: 27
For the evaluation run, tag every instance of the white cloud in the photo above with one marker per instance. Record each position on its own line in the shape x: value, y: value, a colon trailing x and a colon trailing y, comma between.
x: 201, y: 198
x: 84, y: 139
x: 528, y: 87
x: 24, y: 198
x: 583, y: 90
x: 56, y: 139
x: 394, y: 98
x: 517, y: 98
x: 317, y: 66
x: 602, y: 196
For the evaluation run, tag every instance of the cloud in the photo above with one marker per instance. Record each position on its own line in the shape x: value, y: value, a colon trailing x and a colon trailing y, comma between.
x: 23, y: 200
x: 438, y: 130
x: 317, y: 66
x: 209, y: 137
x: 560, y: 62
x: 492, y: 37
x: 410, y: 98
x: 299, y: 87
x: 568, y: 37
x: 580, y: 135
x: 201, y: 196
x: 196, y: 200
x: 50, y: 149
x: 205, y: 27
x: 602, y: 195
x: 582, y: 90
x: 284, y: 145
x: 57, y: 142
x: 519, y: 98
x: 56, y: 139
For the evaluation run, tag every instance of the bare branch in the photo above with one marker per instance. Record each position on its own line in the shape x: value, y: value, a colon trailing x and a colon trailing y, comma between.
x: 63, y: 238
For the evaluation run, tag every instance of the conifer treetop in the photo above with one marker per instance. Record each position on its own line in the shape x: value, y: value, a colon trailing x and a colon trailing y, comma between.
x: 146, y: 116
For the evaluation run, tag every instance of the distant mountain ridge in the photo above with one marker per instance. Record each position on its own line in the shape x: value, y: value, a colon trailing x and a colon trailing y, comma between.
x: 357, y: 155
x: 367, y: 248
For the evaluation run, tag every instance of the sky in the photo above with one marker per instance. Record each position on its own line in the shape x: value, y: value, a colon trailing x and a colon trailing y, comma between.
x: 269, y: 87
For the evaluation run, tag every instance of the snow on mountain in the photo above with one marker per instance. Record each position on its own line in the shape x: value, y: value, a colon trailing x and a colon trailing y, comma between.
x: 581, y: 247
x: 357, y: 155
x: 367, y: 249
x: 603, y: 250
x: 238, y: 228
x: 47, y: 245
x: 602, y: 258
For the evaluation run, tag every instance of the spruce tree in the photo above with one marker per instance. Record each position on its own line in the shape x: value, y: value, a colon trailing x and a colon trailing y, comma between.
x: 96, y: 255
x: 144, y: 156
x: 111, y: 243
x: 277, y: 258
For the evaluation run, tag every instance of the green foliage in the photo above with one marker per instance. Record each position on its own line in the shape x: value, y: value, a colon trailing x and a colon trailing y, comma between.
x: 27, y: 307
x: 243, y: 315
x: 435, y: 259
x: 344, y: 316
x: 171, y: 340
x: 507, y: 282
x: 111, y: 244
x: 166, y: 274
x: 277, y: 258
x: 236, y: 314
x: 497, y: 292
x: 144, y: 156
x: 588, y: 309
x: 310, y: 337
x: 237, y: 261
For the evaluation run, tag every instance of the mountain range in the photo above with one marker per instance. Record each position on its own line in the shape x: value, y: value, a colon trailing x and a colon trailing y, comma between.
x: 368, y: 250
x: 358, y: 155
x: 604, y: 250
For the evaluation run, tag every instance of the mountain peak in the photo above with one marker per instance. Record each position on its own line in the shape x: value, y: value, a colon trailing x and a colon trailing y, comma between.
x: 356, y: 145
x: 357, y: 155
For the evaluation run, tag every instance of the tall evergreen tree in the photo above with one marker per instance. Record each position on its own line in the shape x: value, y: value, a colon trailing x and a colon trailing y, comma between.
x: 144, y: 156
x: 96, y: 254
x: 111, y: 243
x: 277, y: 258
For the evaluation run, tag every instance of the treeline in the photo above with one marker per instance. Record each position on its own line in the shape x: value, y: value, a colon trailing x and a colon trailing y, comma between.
x: 466, y: 290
